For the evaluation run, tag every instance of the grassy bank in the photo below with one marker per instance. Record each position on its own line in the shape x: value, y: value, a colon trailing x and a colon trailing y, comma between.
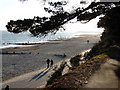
x: 78, y: 76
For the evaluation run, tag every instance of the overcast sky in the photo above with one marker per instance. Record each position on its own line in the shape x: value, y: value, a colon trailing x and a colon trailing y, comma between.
x: 13, y: 10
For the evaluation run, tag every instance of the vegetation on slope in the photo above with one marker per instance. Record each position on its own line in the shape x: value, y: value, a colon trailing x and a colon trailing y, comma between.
x: 78, y: 76
x: 110, y: 39
x: 108, y: 47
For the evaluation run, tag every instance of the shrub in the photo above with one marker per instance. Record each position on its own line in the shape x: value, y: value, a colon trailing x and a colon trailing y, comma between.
x: 56, y: 74
x: 75, y: 61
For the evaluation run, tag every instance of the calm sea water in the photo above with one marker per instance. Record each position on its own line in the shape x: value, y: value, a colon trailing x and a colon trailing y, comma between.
x: 9, y: 39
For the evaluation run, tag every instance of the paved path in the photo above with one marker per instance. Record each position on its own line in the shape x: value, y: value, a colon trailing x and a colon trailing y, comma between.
x: 36, y: 79
x: 107, y: 76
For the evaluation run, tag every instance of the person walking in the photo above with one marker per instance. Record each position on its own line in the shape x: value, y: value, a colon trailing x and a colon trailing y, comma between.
x: 48, y: 62
x: 51, y: 62
x: 88, y: 41
x: 64, y: 55
x: 6, y: 88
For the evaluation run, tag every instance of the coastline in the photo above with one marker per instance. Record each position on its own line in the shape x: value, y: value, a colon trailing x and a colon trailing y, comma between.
x: 27, y: 44
x: 14, y: 63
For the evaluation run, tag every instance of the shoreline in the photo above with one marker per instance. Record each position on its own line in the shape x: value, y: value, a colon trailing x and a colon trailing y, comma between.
x: 17, y: 45
x: 34, y: 57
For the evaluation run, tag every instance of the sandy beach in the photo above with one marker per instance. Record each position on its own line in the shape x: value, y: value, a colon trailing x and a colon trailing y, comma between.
x: 20, y: 60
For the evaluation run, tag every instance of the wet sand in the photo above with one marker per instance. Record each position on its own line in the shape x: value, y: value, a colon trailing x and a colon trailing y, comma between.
x: 19, y: 60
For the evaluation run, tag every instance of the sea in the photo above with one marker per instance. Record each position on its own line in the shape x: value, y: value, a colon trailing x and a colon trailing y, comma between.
x: 9, y: 39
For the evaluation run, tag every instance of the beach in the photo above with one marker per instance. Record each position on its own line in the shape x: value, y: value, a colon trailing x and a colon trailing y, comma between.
x: 20, y: 60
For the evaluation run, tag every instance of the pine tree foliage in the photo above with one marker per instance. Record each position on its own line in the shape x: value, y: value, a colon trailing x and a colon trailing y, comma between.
x: 44, y: 25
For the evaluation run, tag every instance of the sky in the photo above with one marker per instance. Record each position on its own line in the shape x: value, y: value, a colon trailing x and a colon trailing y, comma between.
x: 14, y: 10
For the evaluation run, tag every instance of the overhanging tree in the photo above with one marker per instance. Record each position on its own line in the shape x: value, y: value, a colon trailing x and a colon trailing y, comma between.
x: 45, y: 25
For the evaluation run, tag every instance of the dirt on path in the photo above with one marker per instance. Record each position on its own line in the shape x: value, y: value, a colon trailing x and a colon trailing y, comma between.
x: 106, y: 77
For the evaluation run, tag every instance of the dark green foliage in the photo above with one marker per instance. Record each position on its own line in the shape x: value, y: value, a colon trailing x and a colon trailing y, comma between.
x: 57, y: 4
x: 45, y: 25
x: 114, y: 52
x: 38, y: 25
x: 19, y: 25
x: 111, y: 23
x: 111, y: 20
x: 111, y: 35
x: 75, y: 61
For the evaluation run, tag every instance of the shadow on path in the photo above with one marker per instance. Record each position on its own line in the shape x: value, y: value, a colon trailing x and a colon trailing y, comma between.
x: 117, y: 71
x: 41, y: 74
